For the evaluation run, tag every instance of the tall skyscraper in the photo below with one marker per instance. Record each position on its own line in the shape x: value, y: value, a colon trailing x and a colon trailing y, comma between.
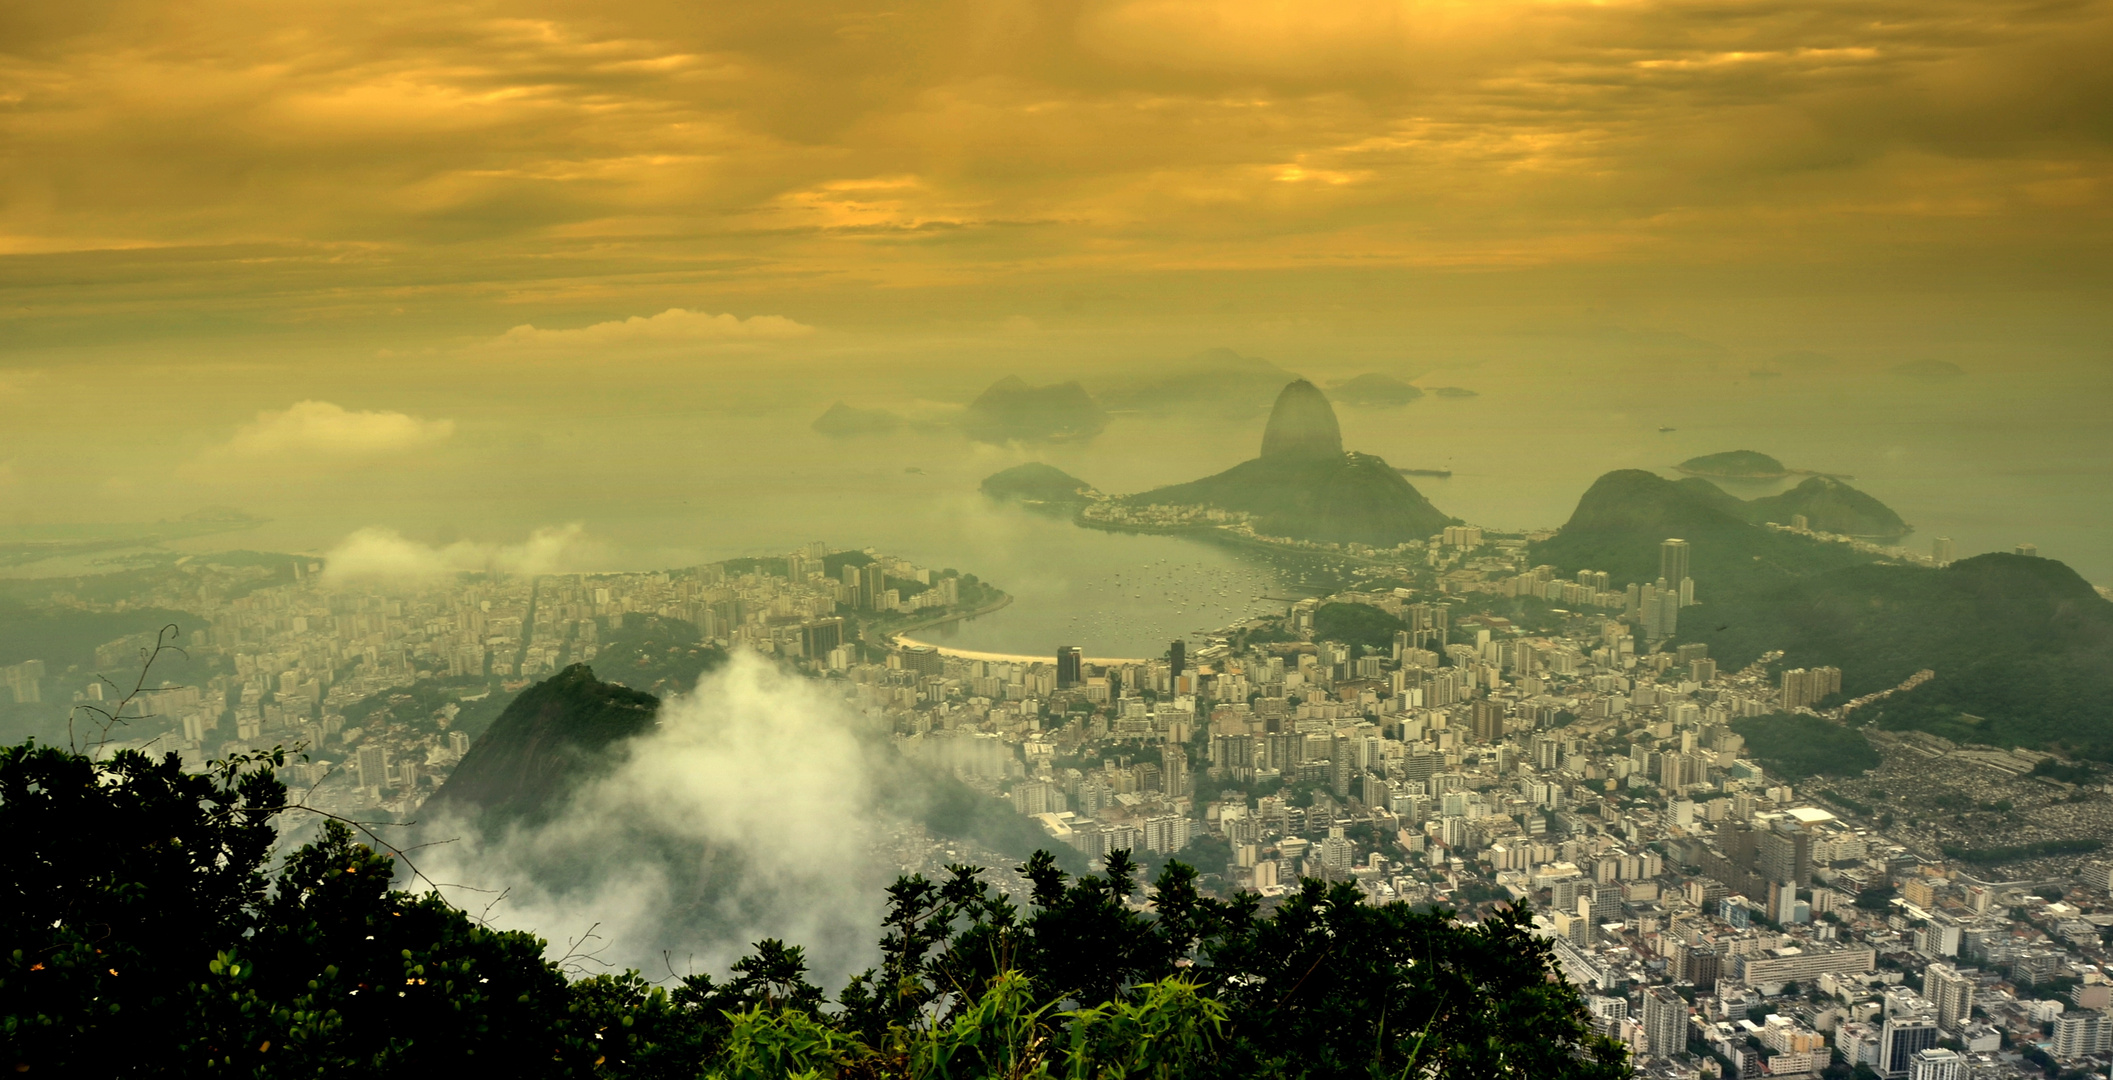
x: 373, y: 766
x: 1071, y: 667
x: 1903, y: 1036
x: 1488, y: 721
x: 1664, y: 1022
x: 1672, y: 561
x: 1941, y: 551
x: 1951, y: 992
x: 1177, y: 658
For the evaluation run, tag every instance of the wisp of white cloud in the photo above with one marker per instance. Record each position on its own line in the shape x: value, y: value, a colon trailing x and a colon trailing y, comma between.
x: 675, y: 326
x: 312, y: 429
x: 382, y: 554
x: 748, y: 813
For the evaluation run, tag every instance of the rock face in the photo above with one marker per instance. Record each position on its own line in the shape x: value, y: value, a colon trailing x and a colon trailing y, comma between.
x: 1302, y: 425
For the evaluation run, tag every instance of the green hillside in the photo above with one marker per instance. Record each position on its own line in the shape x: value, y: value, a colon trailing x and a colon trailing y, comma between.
x: 1352, y: 498
x: 555, y: 735
x: 1622, y: 518
x: 1798, y: 746
x: 2022, y: 646
x: 1356, y: 624
x: 570, y: 728
x: 1829, y: 505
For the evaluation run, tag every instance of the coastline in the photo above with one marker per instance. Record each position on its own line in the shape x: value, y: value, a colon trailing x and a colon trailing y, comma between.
x: 901, y: 637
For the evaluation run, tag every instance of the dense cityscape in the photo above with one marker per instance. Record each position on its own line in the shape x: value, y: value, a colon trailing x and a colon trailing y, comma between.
x: 1722, y: 918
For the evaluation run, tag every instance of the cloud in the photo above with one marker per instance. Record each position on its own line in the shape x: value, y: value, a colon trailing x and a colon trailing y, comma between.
x: 321, y: 429
x: 382, y: 554
x: 749, y: 812
x: 605, y: 153
x: 675, y: 326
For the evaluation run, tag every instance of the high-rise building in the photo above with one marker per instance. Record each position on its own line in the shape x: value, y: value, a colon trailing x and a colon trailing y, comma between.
x: 1802, y: 687
x: 1664, y: 1022
x: 1488, y: 720
x: 1952, y: 994
x: 1071, y: 667
x: 923, y: 659
x: 373, y: 766
x: 1904, y: 1035
x: 1942, y: 552
x: 1672, y: 561
x: 1177, y: 658
x: 1783, y: 852
x: 1174, y: 766
x: 2081, y: 1033
x: 1937, y: 1063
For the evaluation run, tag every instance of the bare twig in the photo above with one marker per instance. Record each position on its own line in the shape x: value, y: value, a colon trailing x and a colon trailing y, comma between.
x: 164, y: 641
x: 576, y: 961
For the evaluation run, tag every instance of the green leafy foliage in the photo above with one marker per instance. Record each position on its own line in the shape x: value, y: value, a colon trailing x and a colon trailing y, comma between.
x: 2022, y: 647
x: 2015, y: 852
x: 149, y: 938
x: 1796, y: 746
x: 1357, y: 625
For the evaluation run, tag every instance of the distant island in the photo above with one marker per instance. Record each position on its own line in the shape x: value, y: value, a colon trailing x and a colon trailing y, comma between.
x: 1455, y: 392
x: 1036, y: 484
x: 842, y: 421
x: 1735, y: 465
x: 1012, y: 411
x: 1374, y: 390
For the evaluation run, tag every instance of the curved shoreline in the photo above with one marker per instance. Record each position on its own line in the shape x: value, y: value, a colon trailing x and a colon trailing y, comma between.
x: 899, y: 638
x: 1005, y: 658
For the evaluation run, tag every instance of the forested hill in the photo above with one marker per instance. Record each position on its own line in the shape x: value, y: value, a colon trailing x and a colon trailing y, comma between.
x: 1623, y: 517
x: 2022, y: 646
x: 573, y: 727
x: 557, y: 734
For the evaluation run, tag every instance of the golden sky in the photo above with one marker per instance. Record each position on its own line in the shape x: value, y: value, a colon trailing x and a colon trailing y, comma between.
x: 265, y: 180
x: 412, y: 174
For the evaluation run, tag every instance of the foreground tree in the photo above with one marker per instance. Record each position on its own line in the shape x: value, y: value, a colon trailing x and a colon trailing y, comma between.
x: 145, y: 933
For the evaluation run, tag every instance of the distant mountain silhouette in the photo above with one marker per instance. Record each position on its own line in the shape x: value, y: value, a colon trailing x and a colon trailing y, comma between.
x: 1624, y: 515
x: 1217, y: 383
x: 1012, y: 411
x: 1829, y: 505
x: 845, y: 421
x: 1304, y: 485
x: 1374, y: 390
x: 1735, y: 465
